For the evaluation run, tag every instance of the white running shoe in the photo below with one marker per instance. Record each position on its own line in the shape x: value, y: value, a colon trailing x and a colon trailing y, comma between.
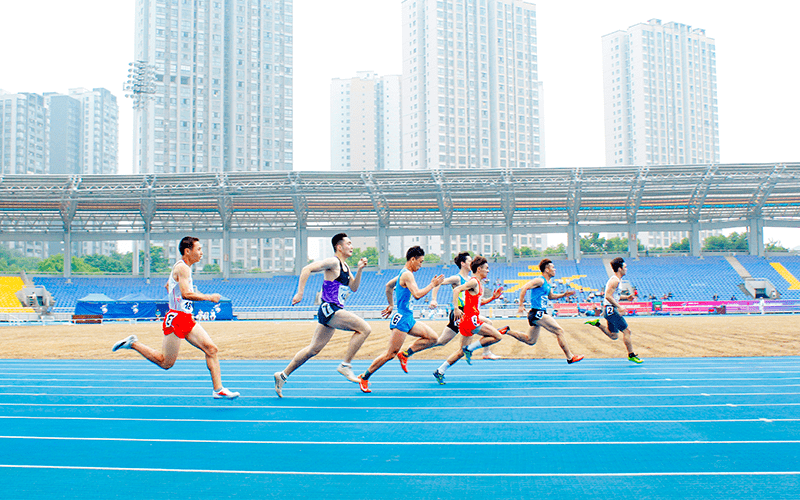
x: 491, y: 355
x: 279, y: 381
x: 125, y: 343
x: 347, y: 371
x: 225, y: 393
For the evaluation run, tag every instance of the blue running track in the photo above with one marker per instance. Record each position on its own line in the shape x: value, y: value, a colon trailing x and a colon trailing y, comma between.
x: 721, y: 428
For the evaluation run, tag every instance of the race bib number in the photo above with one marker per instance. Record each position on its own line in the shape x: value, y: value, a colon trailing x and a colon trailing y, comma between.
x: 187, y: 306
x: 395, y: 319
x: 344, y: 293
x: 475, y: 321
x: 169, y: 318
x: 327, y: 310
x: 539, y: 314
x: 609, y: 310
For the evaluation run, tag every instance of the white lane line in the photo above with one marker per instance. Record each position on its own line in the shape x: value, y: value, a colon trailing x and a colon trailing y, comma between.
x: 407, y: 474
x: 398, y: 443
x: 397, y: 408
x: 410, y: 422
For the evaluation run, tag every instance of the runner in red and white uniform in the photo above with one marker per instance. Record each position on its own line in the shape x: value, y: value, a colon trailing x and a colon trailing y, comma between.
x: 178, y: 322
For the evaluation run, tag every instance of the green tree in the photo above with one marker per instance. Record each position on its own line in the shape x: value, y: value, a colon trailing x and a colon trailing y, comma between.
x: 371, y: 253
x: 775, y: 246
x: 211, y: 268
x: 14, y: 261
x: 734, y: 242
x: 55, y: 264
x: 559, y: 249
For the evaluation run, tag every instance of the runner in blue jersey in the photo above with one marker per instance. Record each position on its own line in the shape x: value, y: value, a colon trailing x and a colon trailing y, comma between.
x: 463, y: 260
x: 613, y: 311
x: 404, y: 286
x: 337, y: 284
x: 541, y: 292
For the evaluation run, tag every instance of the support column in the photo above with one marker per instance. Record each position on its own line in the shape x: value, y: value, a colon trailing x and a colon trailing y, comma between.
x: 300, y: 249
x: 509, y: 244
x: 633, y: 242
x: 226, y: 254
x: 573, y: 242
x: 383, y: 248
x: 147, y: 254
x: 446, y: 245
x: 135, y: 259
x: 68, y: 256
x: 755, y: 237
x: 694, y: 240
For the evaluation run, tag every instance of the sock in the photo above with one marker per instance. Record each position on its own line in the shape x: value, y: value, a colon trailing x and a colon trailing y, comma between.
x: 444, y: 367
x: 474, y: 345
x: 366, y: 375
x: 283, y: 376
x: 346, y: 365
x: 408, y: 352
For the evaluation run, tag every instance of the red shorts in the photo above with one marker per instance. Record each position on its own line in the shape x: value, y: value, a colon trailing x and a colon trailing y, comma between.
x: 469, y: 325
x: 177, y: 322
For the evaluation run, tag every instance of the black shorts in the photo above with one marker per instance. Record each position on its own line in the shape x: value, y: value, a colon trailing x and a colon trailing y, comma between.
x: 326, y: 312
x: 535, y: 315
x: 453, y: 322
x: 616, y: 323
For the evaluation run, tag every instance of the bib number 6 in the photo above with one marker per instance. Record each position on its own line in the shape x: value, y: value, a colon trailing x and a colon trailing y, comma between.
x: 396, y: 319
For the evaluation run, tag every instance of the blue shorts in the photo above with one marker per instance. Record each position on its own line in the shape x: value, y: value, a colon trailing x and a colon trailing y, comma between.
x: 616, y: 323
x: 403, y: 322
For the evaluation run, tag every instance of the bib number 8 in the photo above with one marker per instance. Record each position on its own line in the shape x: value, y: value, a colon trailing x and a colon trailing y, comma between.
x: 170, y: 317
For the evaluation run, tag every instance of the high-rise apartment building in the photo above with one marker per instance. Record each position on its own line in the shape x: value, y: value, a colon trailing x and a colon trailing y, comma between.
x: 100, y: 136
x: 365, y: 123
x: 223, y: 98
x: 66, y: 127
x: 660, y: 95
x: 24, y: 133
x: 471, y: 92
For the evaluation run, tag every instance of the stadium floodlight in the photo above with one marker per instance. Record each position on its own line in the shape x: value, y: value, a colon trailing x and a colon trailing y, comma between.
x: 140, y: 84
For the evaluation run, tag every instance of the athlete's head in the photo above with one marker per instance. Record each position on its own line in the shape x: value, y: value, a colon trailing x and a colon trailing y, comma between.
x: 187, y: 243
x: 341, y: 241
x: 479, y: 263
x: 463, y: 258
x: 543, y: 264
x: 191, y: 249
x: 617, y: 264
x: 415, y: 256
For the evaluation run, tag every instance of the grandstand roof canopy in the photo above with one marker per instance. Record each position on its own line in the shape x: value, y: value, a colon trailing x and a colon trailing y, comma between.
x: 533, y: 199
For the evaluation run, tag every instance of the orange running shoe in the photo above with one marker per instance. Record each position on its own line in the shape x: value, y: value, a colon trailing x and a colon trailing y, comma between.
x: 403, y: 361
x: 574, y: 359
x: 363, y: 384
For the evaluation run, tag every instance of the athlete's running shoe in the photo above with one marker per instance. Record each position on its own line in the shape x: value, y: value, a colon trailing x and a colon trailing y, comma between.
x: 363, y: 384
x: 439, y: 377
x: 491, y: 355
x: 125, y: 343
x: 347, y: 371
x: 225, y: 393
x: 279, y: 381
x: 403, y: 361
x: 504, y: 330
x: 574, y: 359
x: 467, y: 355
x: 634, y: 358
x: 593, y: 322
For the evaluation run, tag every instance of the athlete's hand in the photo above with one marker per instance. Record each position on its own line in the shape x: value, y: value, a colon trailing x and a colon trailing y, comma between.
x: 457, y: 313
x: 433, y: 304
x: 621, y: 310
x: 436, y: 281
x: 521, y: 309
x: 362, y: 263
x: 214, y: 297
x: 297, y: 298
x: 497, y: 293
x: 387, y: 312
x: 569, y: 293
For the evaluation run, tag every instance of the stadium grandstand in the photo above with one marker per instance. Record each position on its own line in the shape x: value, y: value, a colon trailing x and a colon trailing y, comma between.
x: 227, y: 206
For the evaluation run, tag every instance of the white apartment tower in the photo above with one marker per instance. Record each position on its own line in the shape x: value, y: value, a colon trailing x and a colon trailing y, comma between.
x: 24, y: 133
x: 223, y: 100
x: 660, y: 95
x: 365, y: 123
x: 471, y: 91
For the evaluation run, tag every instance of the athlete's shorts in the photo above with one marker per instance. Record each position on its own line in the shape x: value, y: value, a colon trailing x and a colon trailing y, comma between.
x: 535, y: 315
x: 453, y: 323
x: 178, y: 322
x: 402, y: 322
x: 616, y: 323
x: 470, y: 327
x: 326, y: 312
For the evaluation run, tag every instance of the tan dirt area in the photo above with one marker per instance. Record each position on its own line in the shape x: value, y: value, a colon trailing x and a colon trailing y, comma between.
x: 658, y: 337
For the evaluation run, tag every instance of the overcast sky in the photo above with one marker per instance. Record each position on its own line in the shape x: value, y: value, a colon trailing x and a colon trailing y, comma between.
x: 53, y: 45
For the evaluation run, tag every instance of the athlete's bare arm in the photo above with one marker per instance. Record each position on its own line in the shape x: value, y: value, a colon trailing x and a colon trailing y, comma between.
x: 407, y: 280
x: 452, y: 281
x: 389, y: 297
x: 354, y: 282
x: 469, y: 285
x: 328, y: 265
x: 495, y: 295
x: 534, y: 283
x: 181, y: 275
x: 568, y: 293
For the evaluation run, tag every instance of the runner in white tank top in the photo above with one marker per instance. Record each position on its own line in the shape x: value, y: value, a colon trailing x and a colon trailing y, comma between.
x: 178, y: 322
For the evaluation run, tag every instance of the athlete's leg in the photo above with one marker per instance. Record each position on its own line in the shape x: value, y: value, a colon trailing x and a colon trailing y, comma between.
x: 396, y: 340
x: 606, y: 331
x: 345, y: 320
x: 529, y: 338
x: 199, y: 338
x: 626, y: 337
x: 322, y: 335
x: 446, y: 336
x: 170, y: 348
x: 489, y: 336
x: 549, y: 323
x: 453, y: 358
x: 426, y: 337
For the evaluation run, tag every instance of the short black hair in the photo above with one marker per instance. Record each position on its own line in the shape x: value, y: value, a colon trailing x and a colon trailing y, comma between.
x: 544, y: 263
x: 187, y: 243
x: 415, y: 251
x: 617, y: 263
x: 477, y: 262
x: 337, y: 239
x: 461, y: 258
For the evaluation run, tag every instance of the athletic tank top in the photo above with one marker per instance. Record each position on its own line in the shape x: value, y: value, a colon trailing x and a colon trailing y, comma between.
x: 338, y: 290
x: 176, y: 300
x: 472, y: 303
x: 615, y: 294
x: 403, y: 295
x: 461, y: 295
x: 540, y: 295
